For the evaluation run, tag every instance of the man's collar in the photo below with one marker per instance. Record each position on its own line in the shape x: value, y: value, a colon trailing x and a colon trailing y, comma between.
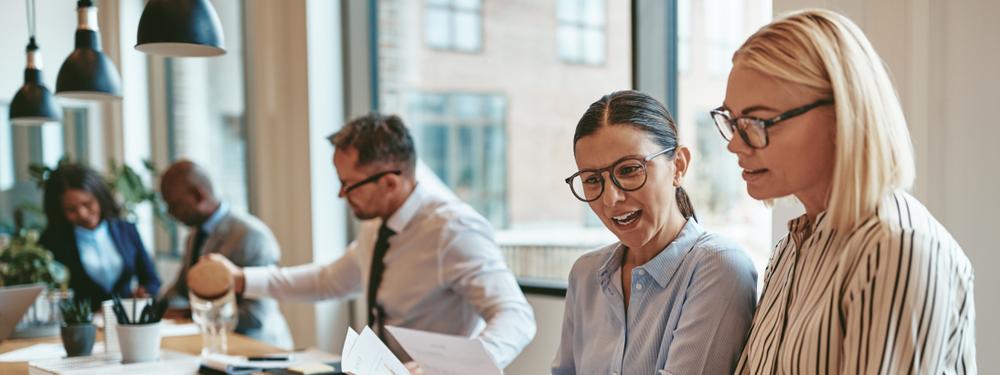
x: 405, y: 213
x: 213, y: 221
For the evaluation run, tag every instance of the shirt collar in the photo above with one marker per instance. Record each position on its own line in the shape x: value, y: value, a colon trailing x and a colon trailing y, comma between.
x: 663, y: 266
x: 82, y: 232
x: 405, y: 213
x: 801, y: 228
x: 213, y: 221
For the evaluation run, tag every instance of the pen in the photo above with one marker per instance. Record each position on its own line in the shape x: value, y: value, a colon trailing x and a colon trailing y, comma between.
x: 119, y: 310
x: 270, y: 358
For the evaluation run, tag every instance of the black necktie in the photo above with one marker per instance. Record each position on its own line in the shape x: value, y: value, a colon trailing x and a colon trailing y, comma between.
x: 199, y: 240
x: 375, y: 277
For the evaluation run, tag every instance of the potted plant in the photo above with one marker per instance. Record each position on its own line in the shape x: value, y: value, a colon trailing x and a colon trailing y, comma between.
x: 78, y: 331
x: 24, y: 261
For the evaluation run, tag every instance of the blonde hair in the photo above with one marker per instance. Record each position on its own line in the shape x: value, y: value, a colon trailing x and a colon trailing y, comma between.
x: 828, y: 53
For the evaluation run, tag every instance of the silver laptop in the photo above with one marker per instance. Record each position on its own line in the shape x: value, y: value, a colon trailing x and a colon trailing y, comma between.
x: 15, y: 301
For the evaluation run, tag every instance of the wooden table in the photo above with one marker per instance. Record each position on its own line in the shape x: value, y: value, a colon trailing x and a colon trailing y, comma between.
x: 238, y: 345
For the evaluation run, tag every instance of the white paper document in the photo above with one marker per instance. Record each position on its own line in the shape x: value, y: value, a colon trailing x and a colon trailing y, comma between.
x: 34, y: 353
x: 235, y: 363
x: 41, y: 351
x: 439, y: 354
x: 171, y: 363
x: 170, y: 328
x: 366, y: 354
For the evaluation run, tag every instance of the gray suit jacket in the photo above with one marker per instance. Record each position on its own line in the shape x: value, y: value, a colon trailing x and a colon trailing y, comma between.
x: 246, y: 241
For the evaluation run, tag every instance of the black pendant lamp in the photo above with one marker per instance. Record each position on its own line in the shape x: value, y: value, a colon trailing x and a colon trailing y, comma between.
x: 88, y: 73
x: 33, y: 104
x: 180, y: 28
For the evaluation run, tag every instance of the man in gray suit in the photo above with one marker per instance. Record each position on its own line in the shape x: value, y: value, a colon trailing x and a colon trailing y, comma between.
x: 214, y: 228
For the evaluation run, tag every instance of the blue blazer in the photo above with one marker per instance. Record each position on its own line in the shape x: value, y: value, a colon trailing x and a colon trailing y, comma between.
x: 135, y: 262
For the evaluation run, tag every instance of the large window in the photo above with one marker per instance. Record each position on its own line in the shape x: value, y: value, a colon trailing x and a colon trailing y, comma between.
x: 705, y: 51
x: 728, y: 29
x: 580, y: 35
x: 461, y: 137
x: 451, y: 24
x: 204, y: 101
x: 22, y: 146
x: 497, y: 127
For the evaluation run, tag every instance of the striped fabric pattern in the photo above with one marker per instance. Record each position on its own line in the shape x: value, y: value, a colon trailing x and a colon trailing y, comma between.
x: 893, y: 296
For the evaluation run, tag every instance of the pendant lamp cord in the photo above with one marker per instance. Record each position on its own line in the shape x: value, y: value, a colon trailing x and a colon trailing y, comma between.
x: 30, y: 4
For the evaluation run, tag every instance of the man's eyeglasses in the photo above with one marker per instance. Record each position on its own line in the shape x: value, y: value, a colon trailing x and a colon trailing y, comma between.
x: 344, y: 190
x: 628, y: 174
x: 754, y: 130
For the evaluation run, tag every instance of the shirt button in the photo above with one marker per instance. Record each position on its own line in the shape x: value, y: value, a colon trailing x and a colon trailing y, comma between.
x: 642, y: 272
x: 638, y: 286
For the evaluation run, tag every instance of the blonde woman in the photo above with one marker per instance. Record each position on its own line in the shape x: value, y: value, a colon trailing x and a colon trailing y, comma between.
x: 866, y: 281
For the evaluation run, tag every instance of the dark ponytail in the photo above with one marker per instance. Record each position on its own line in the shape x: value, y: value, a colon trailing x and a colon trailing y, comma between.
x: 640, y: 111
x: 684, y: 203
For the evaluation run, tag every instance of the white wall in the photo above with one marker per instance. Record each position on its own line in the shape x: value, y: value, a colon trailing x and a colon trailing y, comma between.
x: 942, y: 55
x: 538, y: 355
x: 55, y: 29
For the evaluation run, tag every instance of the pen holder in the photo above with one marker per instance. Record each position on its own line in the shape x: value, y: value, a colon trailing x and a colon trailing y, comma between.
x: 139, y: 342
x: 110, y: 321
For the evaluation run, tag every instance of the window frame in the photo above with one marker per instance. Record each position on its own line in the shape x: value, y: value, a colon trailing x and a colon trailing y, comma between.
x: 651, y: 70
x: 451, y: 10
x: 581, y: 27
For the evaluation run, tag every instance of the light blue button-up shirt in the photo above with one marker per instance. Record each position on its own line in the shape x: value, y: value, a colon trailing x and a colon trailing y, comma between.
x: 99, y: 255
x: 689, y: 310
x: 213, y: 221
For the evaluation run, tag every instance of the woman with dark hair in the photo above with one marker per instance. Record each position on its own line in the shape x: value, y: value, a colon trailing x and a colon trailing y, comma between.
x: 669, y: 297
x: 103, y: 253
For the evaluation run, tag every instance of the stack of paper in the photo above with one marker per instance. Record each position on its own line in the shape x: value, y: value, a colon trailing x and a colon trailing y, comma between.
x: 439, y: 354
x: 232, y: 363
x: 366, y: 354
x: 36, y: 352
x: 111, y: 363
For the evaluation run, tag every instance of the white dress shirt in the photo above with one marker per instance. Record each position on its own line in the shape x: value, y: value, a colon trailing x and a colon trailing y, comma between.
x: 443, y: 273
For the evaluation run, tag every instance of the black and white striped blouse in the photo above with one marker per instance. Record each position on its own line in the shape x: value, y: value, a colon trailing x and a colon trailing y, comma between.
x: 894, y: 296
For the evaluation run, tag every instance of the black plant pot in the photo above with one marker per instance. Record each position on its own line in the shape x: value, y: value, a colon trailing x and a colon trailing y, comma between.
x: 78, y: 339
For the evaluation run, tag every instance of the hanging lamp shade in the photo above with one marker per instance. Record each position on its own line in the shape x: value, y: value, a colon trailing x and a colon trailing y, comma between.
x: 33, y: 104
x: 88, y: 73
x: 180, y: 28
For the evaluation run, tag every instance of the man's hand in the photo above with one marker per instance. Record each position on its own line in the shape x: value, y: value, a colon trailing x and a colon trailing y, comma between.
x: 414, y: 368
x: 239, y: 280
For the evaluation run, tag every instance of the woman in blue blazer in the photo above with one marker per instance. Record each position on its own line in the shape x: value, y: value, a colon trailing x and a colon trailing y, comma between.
x: 103, y: 253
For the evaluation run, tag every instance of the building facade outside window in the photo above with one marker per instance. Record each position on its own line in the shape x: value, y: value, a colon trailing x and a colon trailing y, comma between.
x: 454, y: 25
x: 581, y: 37
x: 705, y: 52
x: 497, y: 127
x: 204, y: 102
x: 461, y: 137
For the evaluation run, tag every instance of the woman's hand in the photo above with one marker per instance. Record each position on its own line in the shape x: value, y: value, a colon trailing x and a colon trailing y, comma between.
x: 140, y: 292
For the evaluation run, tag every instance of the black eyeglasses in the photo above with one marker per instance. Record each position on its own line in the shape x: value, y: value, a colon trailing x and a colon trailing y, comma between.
x: 628, y: 174
x: 344, y: 190
x: 754, y: 130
